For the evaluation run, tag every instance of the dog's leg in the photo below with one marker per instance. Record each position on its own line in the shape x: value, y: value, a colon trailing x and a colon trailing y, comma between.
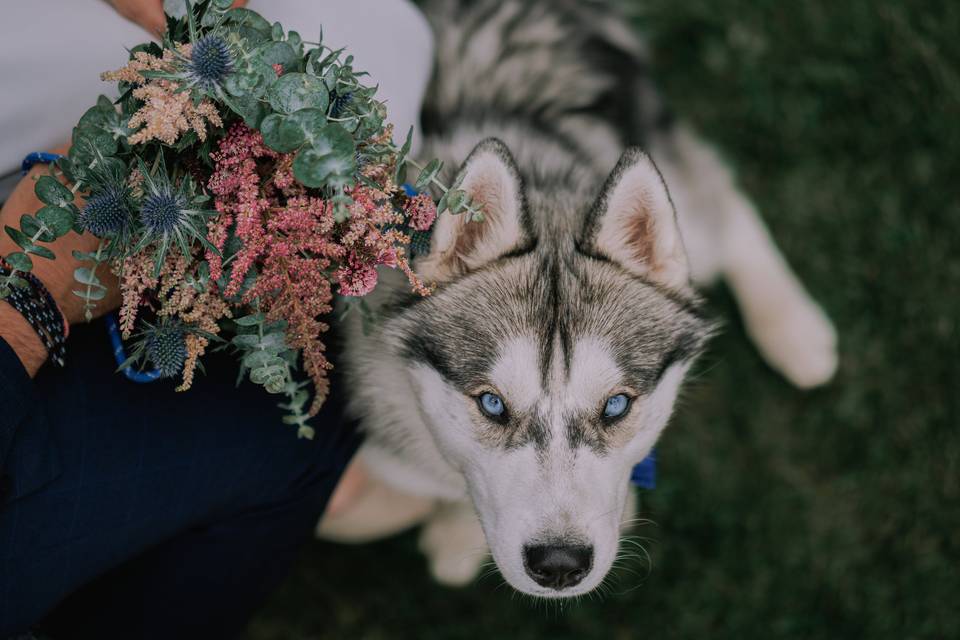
x: 377, y: 512
x: 454, y: 544
x: 790, y: 329
x: 726, y: 236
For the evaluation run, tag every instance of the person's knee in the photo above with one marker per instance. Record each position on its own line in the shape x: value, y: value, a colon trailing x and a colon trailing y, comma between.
x: 305, y: 472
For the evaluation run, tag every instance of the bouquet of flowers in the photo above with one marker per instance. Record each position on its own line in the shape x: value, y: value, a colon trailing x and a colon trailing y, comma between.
x: 241, y: 180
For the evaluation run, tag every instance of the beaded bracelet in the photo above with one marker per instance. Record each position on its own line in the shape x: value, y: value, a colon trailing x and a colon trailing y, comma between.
x: 39, y: 309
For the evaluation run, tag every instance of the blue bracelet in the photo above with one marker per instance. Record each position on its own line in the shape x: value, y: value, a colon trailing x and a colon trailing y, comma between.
x: 38, y: 157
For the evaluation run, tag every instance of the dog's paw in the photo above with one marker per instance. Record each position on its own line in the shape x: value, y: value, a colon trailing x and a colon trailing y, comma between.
x: 454, y: 545
x: 799, y: 341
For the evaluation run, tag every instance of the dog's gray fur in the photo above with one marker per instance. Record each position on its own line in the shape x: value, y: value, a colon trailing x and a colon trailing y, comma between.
x: 577, y: 275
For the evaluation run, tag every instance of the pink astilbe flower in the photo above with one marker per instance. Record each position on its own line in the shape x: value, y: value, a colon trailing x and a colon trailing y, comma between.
x: 299, y: 250
x: 236, y: 183
x: 421, y: 211
x: 356, y: 278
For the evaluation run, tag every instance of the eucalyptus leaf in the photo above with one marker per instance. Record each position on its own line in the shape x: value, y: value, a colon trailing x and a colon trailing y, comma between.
x: 273, y: 342
x: 101, y: 118
x: 57, y: 219
x: 350, y: 123
x: 249, y: 81
x: 23, y: 240
x: 80, y: 256
x: 314, y: 168
x: 245, y: 341
x: 456, y: 200
x: 96, y: 293
x: 270, y: 377
x: 281, y: 53
x: 247, y: 107
x: 100, y: 144
x: 270, y: 130
x: 51, y: 191
x: 306, y: 432
x: 31, y: 227
x: 402, y: 157
x: 20, y: 261
x: 251, y: 320
x: 294, y: 91
x: 428, y: 173
x: 41, y: 252
x: 329, y: 160
x: 84, y: 275
x: 258, y: 359
x: 289, y: 133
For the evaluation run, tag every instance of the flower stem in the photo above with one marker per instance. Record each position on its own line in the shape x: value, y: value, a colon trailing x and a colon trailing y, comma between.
x: 89, y: 306
x: 43, y: 228
x: 475, y: 213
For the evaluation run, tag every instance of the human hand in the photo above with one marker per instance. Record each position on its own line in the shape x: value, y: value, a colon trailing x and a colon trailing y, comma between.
x: 56, y: 275
x: 148, y: 13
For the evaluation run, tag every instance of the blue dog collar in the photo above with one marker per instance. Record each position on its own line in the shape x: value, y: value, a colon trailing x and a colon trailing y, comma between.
x: 644, y: 475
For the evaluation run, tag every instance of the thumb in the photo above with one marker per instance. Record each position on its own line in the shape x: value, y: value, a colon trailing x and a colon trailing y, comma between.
x: 146, y: 13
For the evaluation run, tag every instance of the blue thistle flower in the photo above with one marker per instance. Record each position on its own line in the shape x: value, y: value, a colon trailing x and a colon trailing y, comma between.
x: 161, y: 212
x: 339, y: 103
x: 210, y: 60
x: 166, y: 348
x: 168, y: 214
x: 106, y: 213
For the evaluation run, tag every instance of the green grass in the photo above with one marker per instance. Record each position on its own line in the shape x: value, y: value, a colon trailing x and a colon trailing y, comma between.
x: 780, y: 514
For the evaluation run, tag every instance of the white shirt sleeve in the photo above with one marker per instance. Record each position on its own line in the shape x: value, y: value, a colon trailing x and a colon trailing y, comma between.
x: 52, y: 54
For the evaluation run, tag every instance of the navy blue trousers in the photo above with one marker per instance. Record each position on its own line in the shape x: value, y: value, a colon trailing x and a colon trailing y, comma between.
x: 132, y: 511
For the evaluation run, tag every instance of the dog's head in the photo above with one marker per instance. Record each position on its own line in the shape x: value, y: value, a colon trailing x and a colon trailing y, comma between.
x: 548, y: 361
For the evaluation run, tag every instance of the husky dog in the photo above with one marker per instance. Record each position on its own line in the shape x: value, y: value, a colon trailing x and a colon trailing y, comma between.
x: 506, y: 410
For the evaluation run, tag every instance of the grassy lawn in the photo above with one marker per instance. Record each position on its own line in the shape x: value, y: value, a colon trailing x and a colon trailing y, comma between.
x: 780, y: 514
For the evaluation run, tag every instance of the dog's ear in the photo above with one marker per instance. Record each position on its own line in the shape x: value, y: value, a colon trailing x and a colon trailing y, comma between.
x: 490, y: 178
x: 633, y: 223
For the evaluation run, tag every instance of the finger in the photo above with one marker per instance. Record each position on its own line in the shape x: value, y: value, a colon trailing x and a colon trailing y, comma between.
x: 152, y: 17
x: 146, y: 13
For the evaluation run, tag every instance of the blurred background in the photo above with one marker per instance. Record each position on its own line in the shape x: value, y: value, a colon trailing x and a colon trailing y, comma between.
x: 778, y: 514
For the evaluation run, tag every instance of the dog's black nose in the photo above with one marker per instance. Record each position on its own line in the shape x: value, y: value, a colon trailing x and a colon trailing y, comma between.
x: 557, y: 566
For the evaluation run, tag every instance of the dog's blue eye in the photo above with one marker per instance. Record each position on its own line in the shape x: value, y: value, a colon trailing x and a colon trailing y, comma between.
x: 616, y: 406
x: 492, y: 405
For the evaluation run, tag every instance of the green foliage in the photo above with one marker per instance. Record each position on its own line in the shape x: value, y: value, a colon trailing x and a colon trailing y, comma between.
x: 328, y: 160
x: 428, y: 174
x: 51, y: 192
x: 286, y: 133
x: 20, y: 261
x: 294, y: 91
x: 57, y: 220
